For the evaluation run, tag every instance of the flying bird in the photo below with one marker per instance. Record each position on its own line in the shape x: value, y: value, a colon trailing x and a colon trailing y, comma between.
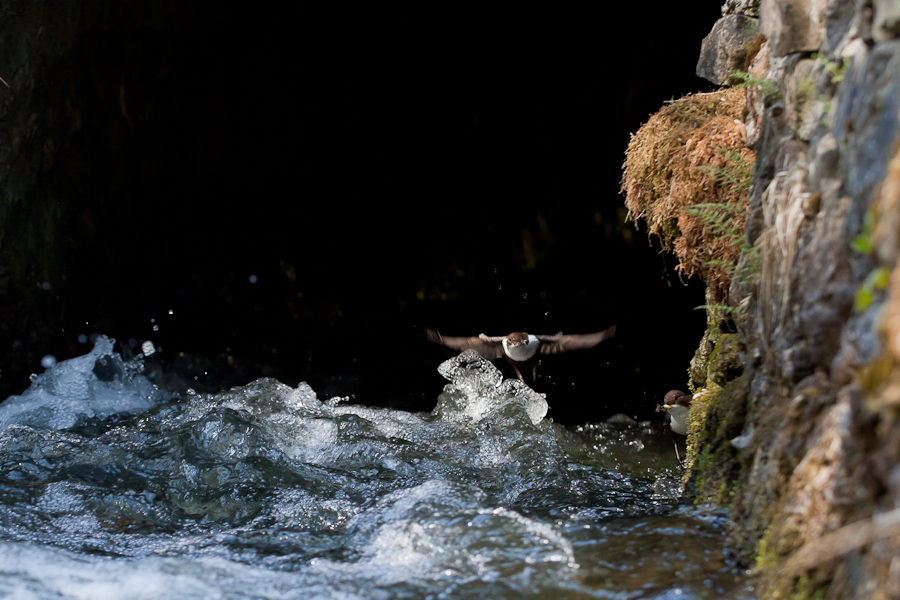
x: 522, y: 350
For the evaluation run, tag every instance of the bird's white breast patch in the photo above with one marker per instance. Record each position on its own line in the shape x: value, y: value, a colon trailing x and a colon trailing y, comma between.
x: 679, y: 418
x: 522, y: 353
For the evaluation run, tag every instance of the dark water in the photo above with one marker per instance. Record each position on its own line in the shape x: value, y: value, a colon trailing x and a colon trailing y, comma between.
x: 112, y: 488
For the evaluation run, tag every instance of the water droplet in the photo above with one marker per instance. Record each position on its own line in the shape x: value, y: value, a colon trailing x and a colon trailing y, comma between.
x: 82, y: 338
x: 48, y: 361
x: 254, y: 279
x: 147, y: 348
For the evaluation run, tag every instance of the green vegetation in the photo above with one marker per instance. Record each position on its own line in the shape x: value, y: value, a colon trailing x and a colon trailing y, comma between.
x: 834, y: 69
x: 687, y: 175
x: 875, y: 281
x: 737, y: 170
x: 722, y: 220
x: 770, y: 90
x: 725, y: 309
x: 863, y: 242
x: 808, y: 590
x: 725, y: 221
x: 717, y: 416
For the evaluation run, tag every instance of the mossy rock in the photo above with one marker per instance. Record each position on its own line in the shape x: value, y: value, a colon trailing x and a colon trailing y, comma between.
x: 687, y: 174
x: 724, y: 362
x: 718, y: 357
x: 717, y: 416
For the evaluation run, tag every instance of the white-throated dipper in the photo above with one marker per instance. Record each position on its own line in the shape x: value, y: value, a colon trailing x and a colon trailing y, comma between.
x: 521, y: 349
x: 678, y: 405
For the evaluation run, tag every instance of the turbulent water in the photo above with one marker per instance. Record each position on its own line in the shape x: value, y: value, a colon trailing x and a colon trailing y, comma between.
x: 111, y: 488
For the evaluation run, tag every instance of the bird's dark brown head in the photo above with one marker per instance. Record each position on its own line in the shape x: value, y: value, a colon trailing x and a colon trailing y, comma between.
x: 517, y: 339
x: 677, y: 398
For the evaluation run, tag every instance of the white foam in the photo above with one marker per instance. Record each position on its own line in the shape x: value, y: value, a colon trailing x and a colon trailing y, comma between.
x: 477, y: 390
x: 442, y: 529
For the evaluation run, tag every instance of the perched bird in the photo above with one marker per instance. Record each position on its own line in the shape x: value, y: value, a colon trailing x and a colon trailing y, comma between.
x: 521, y: 349
x: 678, y: 405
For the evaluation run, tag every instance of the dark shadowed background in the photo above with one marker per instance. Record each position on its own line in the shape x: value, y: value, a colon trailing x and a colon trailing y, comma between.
x: 283, y: 194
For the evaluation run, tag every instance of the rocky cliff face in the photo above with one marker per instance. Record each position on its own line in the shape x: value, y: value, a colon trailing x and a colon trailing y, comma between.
x: 804, y: 445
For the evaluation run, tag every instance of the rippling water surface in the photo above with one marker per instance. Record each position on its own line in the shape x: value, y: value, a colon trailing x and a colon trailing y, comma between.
x: 112, y: 488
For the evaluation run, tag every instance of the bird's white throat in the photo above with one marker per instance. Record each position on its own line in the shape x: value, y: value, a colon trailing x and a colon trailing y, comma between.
x: 679, y: 416
x: 524, y: 352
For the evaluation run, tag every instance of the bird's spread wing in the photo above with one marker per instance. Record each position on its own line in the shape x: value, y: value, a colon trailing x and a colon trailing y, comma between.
x: 554, y: 344
x: 487, y: 346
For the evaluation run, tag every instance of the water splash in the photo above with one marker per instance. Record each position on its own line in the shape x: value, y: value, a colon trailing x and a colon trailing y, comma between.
x: 110, y: 488
x: 96, y: 385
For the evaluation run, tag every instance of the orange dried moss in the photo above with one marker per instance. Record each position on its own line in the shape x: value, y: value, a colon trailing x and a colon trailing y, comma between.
x: 687, y: 174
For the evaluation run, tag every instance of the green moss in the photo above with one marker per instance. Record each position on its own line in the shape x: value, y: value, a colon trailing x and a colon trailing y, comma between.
x: 718, y: 412
x: 765, y: 556
x: 717, y: 416
x: 725, y: 359
x: 687, y: 175
x: 717, y: 358
x: 753, y: 49
x: 806, y: 589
